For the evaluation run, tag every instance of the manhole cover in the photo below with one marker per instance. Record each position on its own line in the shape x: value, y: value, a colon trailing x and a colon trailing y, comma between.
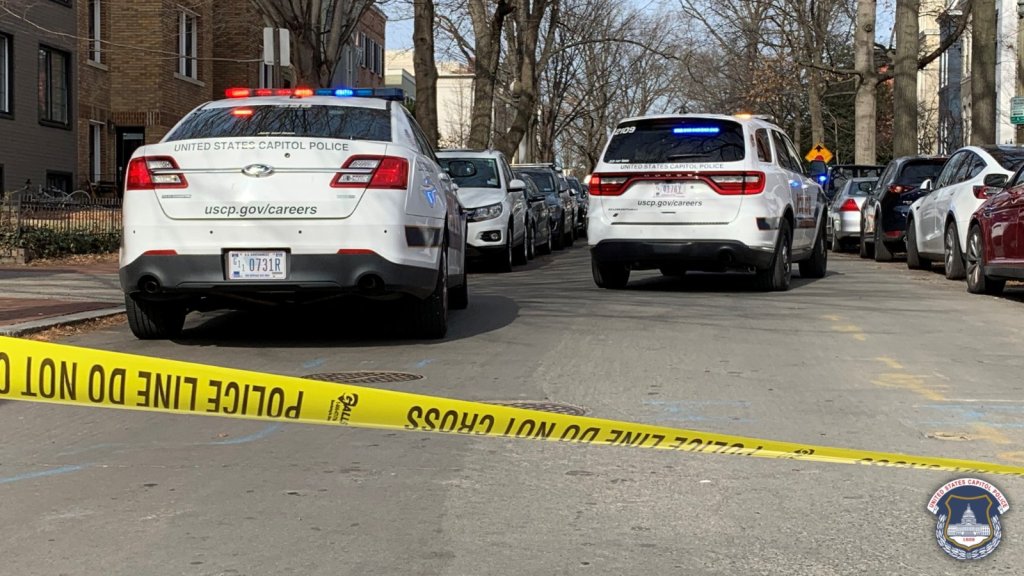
x: 544, y: 406
x: 364, y: 377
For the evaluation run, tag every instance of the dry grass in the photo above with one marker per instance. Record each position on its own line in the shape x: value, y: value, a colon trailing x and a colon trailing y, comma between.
x: 76, y: 260
x: 59, y: 333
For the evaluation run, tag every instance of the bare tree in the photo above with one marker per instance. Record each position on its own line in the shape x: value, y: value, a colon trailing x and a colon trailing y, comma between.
x: 983, y: 73
x: 425, y: 68
x: 865, y: 102
x: 320, y: 30
x: 905, y: 110
x: 487, y: 33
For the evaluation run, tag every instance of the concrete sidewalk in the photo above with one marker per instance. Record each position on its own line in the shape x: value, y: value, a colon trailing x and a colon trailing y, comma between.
x: 34, y: 298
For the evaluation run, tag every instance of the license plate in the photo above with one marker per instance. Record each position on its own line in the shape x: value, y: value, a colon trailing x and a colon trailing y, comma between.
x: 257, y: 265
x: 671, y: 189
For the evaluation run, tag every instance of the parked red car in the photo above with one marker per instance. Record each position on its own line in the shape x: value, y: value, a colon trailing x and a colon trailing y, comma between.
x: 995, y: 240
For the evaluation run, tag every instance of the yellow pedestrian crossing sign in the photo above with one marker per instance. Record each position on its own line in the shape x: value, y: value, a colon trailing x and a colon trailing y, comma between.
x: 819, y: 152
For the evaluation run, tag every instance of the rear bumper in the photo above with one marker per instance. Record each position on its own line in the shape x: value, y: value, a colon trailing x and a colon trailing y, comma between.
x: 693, y: 255
x: 321, y: 274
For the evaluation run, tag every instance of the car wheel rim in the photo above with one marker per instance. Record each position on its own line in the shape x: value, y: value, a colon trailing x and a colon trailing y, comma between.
x: 974, y: 258
x: 949, y: 247
x: 786, y: 265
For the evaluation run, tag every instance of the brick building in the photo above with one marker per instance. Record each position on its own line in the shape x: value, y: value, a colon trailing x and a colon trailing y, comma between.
x: 143, y: 64
x: 38, y: 96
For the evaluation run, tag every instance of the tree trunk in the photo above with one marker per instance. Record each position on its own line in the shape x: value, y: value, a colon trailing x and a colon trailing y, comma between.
x: 983, y: 73
x: 814, y: 107
x: 864, y: 102
x: 425, y: 68
x: 905, y: 110
x: 487, y: 30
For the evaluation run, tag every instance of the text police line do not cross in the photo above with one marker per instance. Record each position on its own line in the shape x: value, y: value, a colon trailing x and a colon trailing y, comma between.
x: 60, y: 374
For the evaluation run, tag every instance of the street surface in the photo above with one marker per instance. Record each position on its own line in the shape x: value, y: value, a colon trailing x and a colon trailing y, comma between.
x: 873, y: 356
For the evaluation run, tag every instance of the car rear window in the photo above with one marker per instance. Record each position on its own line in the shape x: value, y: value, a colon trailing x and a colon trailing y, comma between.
x: 665, y: 140
x: 302, y: 120
x: 1009, y: 159
x: 916, y: 172
x: 861, y: 187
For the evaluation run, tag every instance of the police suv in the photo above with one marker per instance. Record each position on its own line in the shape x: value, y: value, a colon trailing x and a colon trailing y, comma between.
x: 291, y: 196
x: 707, y: 193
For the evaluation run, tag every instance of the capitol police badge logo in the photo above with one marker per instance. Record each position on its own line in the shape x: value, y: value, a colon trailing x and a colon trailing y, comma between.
x: 968, y: 512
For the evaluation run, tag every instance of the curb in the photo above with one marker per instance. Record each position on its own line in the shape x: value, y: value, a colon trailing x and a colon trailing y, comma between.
x: 25, y: 328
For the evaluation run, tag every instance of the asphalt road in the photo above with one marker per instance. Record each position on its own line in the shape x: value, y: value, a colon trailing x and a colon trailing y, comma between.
x: 872, y: 356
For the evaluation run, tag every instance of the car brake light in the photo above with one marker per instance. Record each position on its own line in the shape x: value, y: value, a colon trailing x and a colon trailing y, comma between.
x: 388, y: 172
x: 606, y: 185
x: 983, y: 192
x: 147, y: 173
x: 242, y: 112
x: 898, y: 189
x: 849, y: 206
x: 739, y: 183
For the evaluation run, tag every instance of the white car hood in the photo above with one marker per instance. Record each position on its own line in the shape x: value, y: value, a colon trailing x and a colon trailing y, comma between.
x: 478, y: 197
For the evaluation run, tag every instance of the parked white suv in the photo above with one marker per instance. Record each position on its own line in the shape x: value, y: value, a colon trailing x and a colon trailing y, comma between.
x: 939, y: 221
x: 704, y: 192
x: 495, y: 202
x: 291, y: 196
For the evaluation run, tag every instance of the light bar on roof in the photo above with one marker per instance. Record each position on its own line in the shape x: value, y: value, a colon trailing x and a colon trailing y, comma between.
x: 382, y: 93
x: 697, y: 130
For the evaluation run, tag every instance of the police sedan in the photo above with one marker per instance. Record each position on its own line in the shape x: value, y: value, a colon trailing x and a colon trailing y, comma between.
x: 273, y: 197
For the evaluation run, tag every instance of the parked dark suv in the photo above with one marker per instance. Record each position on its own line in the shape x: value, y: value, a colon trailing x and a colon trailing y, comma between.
x: 883, y: 216
x: 554, y: 186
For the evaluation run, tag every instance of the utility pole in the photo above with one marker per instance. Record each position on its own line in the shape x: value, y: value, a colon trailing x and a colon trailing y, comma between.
x: 1020, y: 64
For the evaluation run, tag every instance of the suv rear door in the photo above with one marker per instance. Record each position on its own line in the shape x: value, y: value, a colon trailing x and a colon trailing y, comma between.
x: 679, y: 170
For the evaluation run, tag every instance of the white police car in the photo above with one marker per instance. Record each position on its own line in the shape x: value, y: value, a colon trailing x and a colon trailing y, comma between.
x: 704, y: 192
x: 291, y: 196
x: 495, y: 203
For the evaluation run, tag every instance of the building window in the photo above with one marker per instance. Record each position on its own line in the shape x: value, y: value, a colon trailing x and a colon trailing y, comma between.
x: 5, y: 74
x: 380, y: 60
x: 54, y: 82
x: 58, y: 181
x: 188, y: 45
x: 95, y: 152
x: 95, y: 50
x: 362, y: 49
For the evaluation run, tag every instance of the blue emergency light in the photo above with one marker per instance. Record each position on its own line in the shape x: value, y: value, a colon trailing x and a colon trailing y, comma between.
x: 697, y: 130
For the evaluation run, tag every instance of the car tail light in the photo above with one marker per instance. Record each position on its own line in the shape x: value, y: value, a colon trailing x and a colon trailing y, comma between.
x: 849, y: 206
x: 738, y: 183
x: 384, y: 172
x: 146, y: 173
x: 983, y: 192
x: 898, y: 189
x: 607, y: 185
x: 893, y: 233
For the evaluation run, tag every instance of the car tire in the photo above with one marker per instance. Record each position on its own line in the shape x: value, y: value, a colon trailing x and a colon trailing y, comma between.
x: 504, y: 260
x: 882, y: 252
x: 531, y: 239
x: 836, y: 241
x: 545, y: 248
x: 570, y: 236
x: 777, y: 277
x: 609, y: 275
x: 558, y: 238
x: 154, y: 320
x: 953, y: 256
x: 866, y: 251
x: 914, y: 259
x: 817, y: 265
x: 430, y: 315
x: 522, y: 252
x: 977, y: 281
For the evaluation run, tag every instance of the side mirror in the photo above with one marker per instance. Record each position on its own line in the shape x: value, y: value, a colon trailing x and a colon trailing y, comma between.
x: 516, y: 185
x: 996, y: 180
x: 927, y: 185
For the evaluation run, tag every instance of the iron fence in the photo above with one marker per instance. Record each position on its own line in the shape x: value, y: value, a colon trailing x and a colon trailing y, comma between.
x: 76, y: 212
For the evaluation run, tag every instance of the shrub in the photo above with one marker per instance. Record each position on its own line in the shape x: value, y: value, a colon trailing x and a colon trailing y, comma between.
x: 50, y: 243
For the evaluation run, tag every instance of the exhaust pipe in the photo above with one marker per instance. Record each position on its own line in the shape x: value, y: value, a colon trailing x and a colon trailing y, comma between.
x: 371, y: 284
x: 149, y: 285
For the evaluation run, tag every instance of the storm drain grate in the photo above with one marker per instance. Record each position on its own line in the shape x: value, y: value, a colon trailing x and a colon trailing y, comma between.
x: 545, y: 406
x: 364, y: 377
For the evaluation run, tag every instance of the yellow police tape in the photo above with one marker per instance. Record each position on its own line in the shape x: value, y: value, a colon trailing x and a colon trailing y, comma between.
x: 59, y: 374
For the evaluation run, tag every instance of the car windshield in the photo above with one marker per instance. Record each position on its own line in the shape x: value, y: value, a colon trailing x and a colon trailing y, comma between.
x: 486, y: 175
x: 544, y: 181
x: 304, y: 121
x: 671, y: 140
x: 917, y: 171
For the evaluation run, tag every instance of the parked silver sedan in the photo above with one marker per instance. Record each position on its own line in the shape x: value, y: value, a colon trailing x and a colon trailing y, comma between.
x: 843, y: 224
